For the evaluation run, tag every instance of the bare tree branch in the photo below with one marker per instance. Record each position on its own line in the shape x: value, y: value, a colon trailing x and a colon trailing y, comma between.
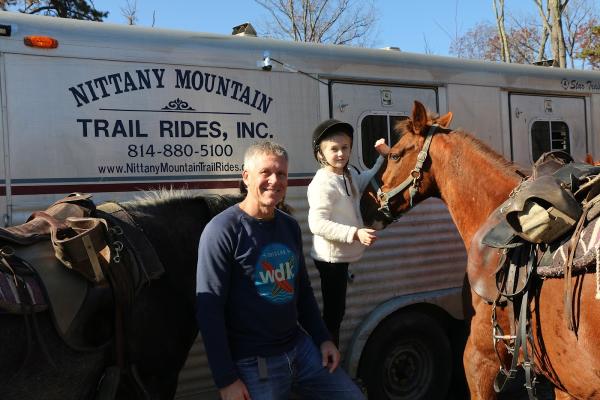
x: 326, y: 21
x: 130, y: 11
x: 499, y: 11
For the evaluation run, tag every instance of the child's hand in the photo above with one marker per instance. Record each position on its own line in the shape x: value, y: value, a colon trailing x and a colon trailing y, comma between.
x: 381, y: 147
x: 366, y: 236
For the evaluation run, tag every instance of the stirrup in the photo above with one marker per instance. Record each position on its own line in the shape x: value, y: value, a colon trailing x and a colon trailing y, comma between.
x: 502, y: 378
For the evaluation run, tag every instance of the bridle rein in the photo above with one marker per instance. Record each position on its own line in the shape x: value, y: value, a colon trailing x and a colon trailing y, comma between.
x: 413, y: 180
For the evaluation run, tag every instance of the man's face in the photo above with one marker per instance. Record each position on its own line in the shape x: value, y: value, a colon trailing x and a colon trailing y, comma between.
x: 266, y: 179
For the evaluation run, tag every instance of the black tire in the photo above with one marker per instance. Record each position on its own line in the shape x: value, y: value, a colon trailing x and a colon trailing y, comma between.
x: 408, y: 357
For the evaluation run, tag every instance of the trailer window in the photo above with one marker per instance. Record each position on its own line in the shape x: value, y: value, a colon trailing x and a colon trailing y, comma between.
x: 547, y: 136
x: 374, y: 127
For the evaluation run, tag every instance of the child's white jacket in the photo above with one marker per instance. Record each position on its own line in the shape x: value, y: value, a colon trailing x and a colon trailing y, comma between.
x: 334, y: 216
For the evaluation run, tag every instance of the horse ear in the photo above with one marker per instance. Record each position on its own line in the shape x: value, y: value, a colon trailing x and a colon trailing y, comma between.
x: 419, y: 117
x: 444, y: 120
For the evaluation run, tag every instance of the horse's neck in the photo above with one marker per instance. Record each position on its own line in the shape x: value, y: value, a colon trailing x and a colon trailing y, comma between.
x: 471, y: 183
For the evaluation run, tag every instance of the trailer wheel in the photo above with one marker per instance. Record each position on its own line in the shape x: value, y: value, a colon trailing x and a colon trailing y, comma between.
x: 408, y: 357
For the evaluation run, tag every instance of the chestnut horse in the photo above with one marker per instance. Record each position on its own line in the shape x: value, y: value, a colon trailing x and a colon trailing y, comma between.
x: 473, y: 181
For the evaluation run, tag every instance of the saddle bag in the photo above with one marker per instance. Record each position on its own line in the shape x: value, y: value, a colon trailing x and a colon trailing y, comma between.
x: 79, y: 243
x: 542, y: 210
x: 82, y: 246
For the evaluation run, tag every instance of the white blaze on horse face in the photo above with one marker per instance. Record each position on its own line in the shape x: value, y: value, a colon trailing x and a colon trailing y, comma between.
x: 266, y: 179
x: 336, y: 150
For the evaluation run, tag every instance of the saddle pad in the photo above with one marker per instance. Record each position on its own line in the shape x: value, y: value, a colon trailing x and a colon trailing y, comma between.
x: 552, y: 263
x: 11, y: 301
x: 66, y: 289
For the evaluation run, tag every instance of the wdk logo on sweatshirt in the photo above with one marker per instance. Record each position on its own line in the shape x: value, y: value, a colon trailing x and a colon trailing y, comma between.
x: 275, y: 272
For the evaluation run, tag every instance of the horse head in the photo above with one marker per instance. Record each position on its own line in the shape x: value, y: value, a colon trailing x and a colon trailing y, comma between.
x: 407, y: 178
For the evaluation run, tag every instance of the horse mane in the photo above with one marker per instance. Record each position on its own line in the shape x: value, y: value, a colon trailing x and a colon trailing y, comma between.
x: 154, y: 198
x: 405, y: 126
x: 214, y: 202
x: 483, y: 148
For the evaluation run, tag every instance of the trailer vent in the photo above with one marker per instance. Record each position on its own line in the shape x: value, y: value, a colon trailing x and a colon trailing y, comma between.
x: 245, y: 29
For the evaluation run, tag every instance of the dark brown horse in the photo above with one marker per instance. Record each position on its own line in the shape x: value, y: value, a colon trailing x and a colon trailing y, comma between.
x: 473, y: 181
x: 161, y: 329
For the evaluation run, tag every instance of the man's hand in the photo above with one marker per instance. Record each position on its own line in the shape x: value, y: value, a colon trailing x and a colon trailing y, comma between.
x: 236, y: 391
x: 331, y: 355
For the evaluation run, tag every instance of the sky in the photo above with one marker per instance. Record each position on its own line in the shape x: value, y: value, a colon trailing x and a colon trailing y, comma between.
x: 417, y: 26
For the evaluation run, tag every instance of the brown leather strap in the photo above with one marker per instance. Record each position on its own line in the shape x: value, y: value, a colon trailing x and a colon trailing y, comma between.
x: 568, y: 296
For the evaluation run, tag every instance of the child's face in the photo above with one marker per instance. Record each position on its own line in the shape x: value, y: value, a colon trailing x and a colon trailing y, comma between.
x: 336, y: 150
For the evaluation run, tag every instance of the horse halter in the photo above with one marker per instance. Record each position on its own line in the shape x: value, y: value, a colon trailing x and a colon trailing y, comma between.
x: 413, y: 180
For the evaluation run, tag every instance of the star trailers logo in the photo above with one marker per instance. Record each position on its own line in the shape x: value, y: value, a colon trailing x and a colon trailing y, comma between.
x: 275, y: 273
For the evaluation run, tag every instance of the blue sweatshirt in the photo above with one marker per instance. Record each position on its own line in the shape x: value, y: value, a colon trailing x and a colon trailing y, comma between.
x: 252, y: 290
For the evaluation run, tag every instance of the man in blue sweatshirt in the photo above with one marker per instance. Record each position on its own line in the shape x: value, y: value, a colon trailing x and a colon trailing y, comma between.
x: 260, y: 323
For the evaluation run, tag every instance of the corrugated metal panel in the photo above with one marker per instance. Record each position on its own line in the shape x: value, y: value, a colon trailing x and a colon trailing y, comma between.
x: 195, y: 380
x: 421, y: 252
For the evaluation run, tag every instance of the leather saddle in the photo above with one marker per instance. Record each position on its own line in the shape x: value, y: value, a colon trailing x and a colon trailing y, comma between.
x: 58, y: 260
x: 556, y: 190
x: 33, y: 258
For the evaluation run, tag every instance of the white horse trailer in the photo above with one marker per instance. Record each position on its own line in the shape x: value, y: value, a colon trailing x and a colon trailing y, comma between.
x: 111, y: 110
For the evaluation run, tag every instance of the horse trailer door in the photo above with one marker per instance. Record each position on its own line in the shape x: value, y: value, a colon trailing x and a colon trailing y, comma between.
x: 543, y: 123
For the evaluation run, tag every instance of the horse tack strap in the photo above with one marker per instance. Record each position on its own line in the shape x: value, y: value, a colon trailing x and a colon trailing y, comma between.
x: 413, y: 178
x: 148, y: 265
x: 520, y: 334
x: 568, y: 272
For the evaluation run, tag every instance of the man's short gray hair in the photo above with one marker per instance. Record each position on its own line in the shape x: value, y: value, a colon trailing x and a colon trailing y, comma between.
x: 263, y: 148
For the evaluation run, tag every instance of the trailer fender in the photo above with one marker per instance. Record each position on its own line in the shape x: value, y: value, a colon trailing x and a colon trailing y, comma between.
x: 449, y: 300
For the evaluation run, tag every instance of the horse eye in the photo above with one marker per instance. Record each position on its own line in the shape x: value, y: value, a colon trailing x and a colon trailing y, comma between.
x: 394, y: 156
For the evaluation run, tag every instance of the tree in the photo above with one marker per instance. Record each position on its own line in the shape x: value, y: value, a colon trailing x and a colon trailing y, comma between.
x: 484, y: 43
x: 562, y: 27
x: 75, y: 9
x: 477, y: 43
x: 579, y: 19
x: 591, y: 48
x: 499, y: 11
x: 130, y: 12
x: 322, y: 21
x: 551, y: 16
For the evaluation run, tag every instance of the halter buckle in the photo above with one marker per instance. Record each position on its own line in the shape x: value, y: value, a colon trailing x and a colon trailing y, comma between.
x: 416, y: 174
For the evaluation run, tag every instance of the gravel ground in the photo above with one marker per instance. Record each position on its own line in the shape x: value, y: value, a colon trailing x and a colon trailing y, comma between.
x: 517, y: 390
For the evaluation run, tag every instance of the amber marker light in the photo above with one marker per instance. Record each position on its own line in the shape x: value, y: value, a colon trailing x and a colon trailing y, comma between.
x: 42, y: 42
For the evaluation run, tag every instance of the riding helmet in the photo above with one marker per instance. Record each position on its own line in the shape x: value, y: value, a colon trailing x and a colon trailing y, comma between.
x: 326, y: 128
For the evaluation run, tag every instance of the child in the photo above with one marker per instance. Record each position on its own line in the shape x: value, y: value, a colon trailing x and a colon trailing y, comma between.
x: 334, y: 218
